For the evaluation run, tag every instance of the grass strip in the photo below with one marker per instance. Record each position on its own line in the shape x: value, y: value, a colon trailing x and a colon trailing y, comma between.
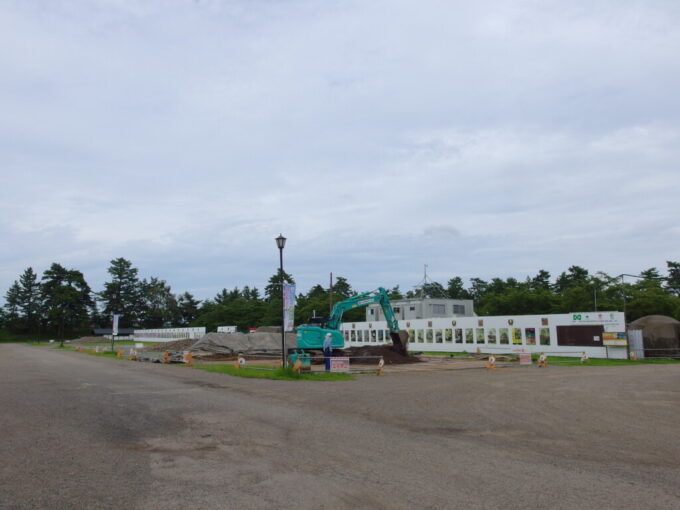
x: 279, y: 374
x: 573, y: 360
x: 603, y: 362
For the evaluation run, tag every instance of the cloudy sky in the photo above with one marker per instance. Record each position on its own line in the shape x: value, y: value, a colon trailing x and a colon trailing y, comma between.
x: 488, y: 138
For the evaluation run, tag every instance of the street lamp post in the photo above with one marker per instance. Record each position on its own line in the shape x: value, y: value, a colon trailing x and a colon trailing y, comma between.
x: 280, y: 243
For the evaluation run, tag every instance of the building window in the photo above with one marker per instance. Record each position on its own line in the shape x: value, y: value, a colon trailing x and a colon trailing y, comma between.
x: 396, y: 309
x: 371, y: 311
x: 459, y: 309
x: 439, y: 309
x: 412, y: 308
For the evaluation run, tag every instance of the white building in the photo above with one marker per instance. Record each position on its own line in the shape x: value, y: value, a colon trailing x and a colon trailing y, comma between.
x: 422, y: 308
x: 557, y: 334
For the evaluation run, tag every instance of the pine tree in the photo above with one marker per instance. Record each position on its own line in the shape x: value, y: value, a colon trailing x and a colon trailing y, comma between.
x: 12, y: 304
x: 29, y: 299
x: 122, y: 295
x: 158, y: 304
x: 188, y: 308
x: 673, y: 283
x: 66, y: 298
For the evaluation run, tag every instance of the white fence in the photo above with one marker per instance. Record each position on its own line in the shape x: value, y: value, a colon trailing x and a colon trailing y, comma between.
x: 226, y: 329
x: 167, y: 334
x: 500, y: 334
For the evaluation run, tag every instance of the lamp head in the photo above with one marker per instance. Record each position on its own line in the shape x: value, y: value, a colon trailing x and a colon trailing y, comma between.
x: 280, y: 242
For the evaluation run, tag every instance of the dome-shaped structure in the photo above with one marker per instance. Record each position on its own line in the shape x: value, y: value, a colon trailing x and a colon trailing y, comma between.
x: 661, y: 335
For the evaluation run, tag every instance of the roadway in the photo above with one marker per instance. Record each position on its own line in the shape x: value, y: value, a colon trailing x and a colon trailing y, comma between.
x: 78, y: 431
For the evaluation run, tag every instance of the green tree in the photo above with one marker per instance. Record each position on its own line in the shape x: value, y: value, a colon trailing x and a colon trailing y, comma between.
x: 651, y: 274
x: 395, y: 293
x: 188, y: 308
x: 158, y: 304
x: 455, y: 289
x: 12, y: 307
x: 273, y: 297
x: 273, y: 289
x: 651, y: 300
x: 576, y: 298
x: 673, y: 282
x: 312, y: 304
x: 255, y: 294
x: 122, y: 295
x: 222, y: 297
x: 317, y: 291
x: 574, y: 276
x: 29, y: 299
x: 541, y: 280
x: 478, y: 289
x: 342, y: 289
x: 67, y: 300
x: 240, y: 312
x: 432, y: 290
x: 519, y: 301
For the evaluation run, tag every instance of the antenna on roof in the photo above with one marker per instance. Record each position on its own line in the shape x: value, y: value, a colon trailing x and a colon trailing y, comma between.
x: 426, y: 287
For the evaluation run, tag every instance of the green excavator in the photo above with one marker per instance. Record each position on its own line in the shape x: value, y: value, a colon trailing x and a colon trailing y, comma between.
x: 311, y: 336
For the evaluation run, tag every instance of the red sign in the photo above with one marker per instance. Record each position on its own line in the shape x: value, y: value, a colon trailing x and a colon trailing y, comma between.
x: 339, y: 364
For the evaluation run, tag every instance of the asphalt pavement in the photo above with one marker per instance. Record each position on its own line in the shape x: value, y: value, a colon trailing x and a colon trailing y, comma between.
x: 78, y: 431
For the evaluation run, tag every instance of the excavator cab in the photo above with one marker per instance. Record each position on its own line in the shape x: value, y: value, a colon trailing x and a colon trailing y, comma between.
x: 317, y: 321
x: 312, y: 337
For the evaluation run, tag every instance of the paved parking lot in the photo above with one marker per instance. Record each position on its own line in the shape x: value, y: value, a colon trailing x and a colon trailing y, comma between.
x: 85, y: 432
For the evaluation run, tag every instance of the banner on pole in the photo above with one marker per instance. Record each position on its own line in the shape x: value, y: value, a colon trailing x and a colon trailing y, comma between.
x: 288, y: 306
x: 114, y: 330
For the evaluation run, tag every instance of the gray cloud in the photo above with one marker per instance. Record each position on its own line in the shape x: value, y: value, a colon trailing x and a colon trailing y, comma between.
x: 486, y: 140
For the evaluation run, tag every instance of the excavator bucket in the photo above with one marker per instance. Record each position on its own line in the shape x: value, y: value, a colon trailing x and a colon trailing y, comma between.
x: 400, y: 342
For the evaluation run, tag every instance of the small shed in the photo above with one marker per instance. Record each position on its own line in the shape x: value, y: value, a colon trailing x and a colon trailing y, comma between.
x: 660, y: 334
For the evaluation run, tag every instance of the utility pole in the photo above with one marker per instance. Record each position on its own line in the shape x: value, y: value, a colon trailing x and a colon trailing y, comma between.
x: 330, y: 296
x: 623, y: 295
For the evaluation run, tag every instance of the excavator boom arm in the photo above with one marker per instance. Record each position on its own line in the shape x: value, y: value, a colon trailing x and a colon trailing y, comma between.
x: 367, y: 298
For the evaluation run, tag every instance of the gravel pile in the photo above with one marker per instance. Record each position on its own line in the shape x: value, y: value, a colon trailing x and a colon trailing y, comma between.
x: 234, y: 343
x: 177, y: 345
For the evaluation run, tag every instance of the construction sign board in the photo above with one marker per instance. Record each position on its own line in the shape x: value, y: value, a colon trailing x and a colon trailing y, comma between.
x: 339, y: 364
x: 614, y: 338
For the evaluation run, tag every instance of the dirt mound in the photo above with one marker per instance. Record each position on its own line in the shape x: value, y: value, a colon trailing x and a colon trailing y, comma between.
x: 661, y: 335
x: 177, y: 345
x: 390, y: 356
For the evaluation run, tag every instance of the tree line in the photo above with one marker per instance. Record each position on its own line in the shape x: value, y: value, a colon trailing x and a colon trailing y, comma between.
x: 61, y: 302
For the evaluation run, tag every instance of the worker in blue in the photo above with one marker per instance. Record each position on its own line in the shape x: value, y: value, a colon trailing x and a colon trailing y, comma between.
x: 327, y: 351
